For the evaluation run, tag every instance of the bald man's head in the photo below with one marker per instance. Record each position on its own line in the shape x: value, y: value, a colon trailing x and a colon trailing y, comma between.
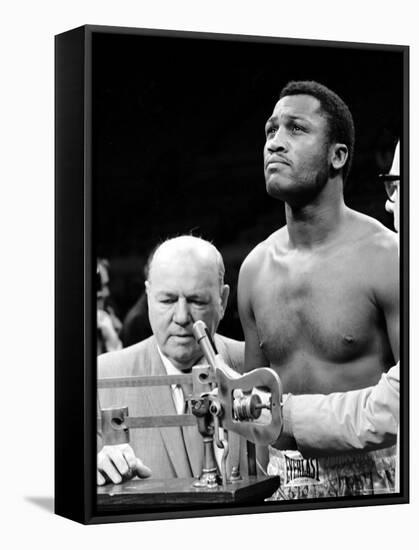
x: 189, y: 246
x: 185, y: 283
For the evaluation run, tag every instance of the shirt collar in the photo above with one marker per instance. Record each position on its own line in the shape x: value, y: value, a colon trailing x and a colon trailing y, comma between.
x: 169, y: 366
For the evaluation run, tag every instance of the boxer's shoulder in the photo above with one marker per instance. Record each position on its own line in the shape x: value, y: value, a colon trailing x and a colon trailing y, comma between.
x: 371, y: 232
x: 272, y: 244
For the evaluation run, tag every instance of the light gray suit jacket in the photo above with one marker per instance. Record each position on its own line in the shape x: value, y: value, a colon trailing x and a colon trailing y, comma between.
x: 169, y: 452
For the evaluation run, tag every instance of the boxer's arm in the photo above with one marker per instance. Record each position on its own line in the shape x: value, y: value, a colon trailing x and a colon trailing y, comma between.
x: 365, y: 419
x: 254, y: 356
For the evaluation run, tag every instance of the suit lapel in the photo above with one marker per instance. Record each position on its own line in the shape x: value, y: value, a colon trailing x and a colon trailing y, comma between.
x: 161, y: 403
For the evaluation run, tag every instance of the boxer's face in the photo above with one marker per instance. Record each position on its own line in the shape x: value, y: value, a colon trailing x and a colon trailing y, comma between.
x: 297, y: 152
x: 180, y: 291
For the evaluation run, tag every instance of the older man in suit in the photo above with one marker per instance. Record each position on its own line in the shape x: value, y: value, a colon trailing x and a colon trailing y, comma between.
x: 185, y: 283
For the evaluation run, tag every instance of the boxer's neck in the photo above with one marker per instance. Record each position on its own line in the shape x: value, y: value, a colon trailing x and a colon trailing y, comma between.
x: 318, y: 222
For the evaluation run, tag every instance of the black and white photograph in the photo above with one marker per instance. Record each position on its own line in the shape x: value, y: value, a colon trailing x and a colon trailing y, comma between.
x: 245, y: 233
x: 208, y: 272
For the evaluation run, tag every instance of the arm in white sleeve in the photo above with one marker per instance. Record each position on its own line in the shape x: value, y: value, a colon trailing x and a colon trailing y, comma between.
x: 365, y: 419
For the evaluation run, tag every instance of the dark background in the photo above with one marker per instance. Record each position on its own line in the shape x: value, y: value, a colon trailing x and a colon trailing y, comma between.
x: 178, y: 135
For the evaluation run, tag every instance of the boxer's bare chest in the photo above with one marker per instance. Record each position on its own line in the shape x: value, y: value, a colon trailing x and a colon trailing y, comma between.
x: 318, y: 304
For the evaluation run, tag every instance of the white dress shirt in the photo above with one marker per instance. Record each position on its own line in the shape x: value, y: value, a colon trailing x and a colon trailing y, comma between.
x: 177, y: 392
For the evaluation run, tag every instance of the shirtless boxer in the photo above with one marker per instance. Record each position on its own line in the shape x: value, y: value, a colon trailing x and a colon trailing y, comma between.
x: 318, y: 299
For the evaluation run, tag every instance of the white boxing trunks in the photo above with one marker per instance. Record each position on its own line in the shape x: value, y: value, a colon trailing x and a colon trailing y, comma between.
x: 371, y: 473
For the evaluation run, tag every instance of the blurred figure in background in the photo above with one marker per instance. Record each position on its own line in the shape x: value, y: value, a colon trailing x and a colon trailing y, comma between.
x: 108, y: 324
x: 136, y: 326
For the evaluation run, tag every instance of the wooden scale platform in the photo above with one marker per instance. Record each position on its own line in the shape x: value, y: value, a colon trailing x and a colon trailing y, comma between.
x: 168, y: 493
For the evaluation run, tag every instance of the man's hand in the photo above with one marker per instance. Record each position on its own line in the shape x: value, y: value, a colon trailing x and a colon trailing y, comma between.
x: 117, y: 463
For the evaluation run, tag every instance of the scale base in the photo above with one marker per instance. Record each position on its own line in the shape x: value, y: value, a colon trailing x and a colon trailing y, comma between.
x: 149, y: 494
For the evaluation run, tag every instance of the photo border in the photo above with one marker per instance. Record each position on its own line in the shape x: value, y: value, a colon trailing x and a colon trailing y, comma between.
x: 75, y: 300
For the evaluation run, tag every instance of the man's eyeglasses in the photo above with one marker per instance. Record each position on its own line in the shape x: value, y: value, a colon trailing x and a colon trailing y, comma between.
x: 391, y: 184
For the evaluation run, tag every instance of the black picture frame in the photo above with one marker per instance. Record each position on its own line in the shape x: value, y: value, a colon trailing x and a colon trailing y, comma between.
x: 78, y: 222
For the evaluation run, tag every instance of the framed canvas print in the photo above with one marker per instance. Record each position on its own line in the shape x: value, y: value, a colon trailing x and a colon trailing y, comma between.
x: 231, y: 274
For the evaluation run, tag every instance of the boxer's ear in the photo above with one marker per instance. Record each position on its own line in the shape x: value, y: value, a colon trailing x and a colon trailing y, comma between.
x: 339, y: 155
